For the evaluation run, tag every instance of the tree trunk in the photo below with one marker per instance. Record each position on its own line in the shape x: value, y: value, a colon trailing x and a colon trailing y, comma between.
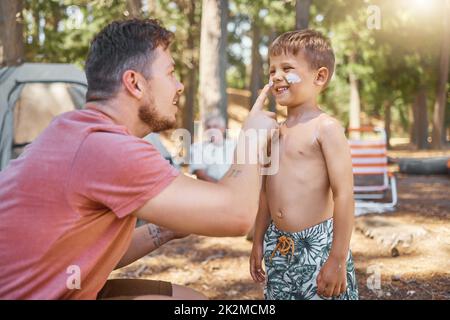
x: 441, y: 94
x: 56, y: 18
x: 191, y: 79
x: 302, y: 14
x: 151, y: 8
x: 355, y: 102
x: 387, y: 122
x: 412, y: 128
x: 272, y: 102
x: 420, y: 126
x: 256, y: 81
x: 213, y: 58
x: 36, y: 29
x: 134, y: 7
x: 32, y: 49
x: 11, y: 37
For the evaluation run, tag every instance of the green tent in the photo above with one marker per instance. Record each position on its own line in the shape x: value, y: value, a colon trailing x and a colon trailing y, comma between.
x: 31, y: 95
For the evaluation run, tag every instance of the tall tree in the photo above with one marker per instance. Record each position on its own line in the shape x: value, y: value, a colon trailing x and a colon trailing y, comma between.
x: 134, y: 8
x: 11, y: 36
x: 387, y: 105
x: 213, y: 60
x: 190, y: 56
x: 151, y: 7
x: 441, y: 94
x: 302, y: 8
x: 256, y: 73
x: 272, y: 102
x: 420, y: 126
x: 350, y: 40
x: 58, y: 31
x: 355, y: 101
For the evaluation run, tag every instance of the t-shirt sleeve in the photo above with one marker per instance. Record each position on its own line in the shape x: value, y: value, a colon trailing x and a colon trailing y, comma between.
x: 119, y: 172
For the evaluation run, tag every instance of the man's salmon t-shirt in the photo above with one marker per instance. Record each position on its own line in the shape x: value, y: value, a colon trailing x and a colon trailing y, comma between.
x: 66, y: 204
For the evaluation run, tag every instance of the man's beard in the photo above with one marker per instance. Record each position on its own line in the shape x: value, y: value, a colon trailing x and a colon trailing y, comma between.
x: 149, y: 115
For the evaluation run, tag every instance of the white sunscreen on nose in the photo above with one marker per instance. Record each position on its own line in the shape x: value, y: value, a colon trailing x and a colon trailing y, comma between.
x: 293, y: 78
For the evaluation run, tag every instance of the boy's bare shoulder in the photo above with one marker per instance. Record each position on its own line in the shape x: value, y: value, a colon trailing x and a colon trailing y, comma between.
x: 329, y: 127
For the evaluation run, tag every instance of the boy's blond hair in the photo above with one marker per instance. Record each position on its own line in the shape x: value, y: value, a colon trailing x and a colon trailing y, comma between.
x: 312, y: 44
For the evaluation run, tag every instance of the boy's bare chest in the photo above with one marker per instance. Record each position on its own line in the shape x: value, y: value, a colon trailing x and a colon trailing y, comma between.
x: 299, y: 143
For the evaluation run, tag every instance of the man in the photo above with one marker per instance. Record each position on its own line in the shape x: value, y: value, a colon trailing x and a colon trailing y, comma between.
x: 211, y: 159
x: 69, y: 204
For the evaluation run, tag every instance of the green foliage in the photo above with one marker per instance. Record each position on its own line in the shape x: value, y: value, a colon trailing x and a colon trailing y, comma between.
x: 61, y: 30
x: 390, y: 63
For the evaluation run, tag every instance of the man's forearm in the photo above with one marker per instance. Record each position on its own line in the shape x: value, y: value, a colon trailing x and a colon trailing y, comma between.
x: 244, y: 177
x: 146, y: 239
x: 343, y: 220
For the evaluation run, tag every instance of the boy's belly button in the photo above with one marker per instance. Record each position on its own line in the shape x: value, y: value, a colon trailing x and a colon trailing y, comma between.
x: 279, y: 214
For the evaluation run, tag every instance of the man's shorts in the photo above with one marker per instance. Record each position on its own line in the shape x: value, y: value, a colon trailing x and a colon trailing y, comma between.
x: 128, y: 289
x: 293, y: 261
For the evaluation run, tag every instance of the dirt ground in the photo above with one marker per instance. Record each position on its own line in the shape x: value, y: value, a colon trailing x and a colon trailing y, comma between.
x: 218, y: 267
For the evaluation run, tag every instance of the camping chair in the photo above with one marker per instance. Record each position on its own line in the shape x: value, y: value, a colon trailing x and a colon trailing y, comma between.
x: 372, y: 179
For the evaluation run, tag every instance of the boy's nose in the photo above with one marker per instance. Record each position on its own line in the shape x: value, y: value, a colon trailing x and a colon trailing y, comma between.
x: 277, y: 77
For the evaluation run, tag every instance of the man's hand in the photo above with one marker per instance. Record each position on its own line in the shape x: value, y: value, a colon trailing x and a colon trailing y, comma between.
x: 332, y: 278
x: 260, y: 121
x: 258, y: 118
x: 256, y: 269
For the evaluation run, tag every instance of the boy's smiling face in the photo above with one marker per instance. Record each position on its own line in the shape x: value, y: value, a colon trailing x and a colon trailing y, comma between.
x: 285, y: 67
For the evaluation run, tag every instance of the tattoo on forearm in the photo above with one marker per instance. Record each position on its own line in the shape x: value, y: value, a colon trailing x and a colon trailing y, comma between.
x: 155, y: 234
x: 234, y: 173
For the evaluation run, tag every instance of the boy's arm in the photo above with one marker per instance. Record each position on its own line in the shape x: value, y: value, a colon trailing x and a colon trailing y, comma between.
x: 262, y: 218
x: 339, y: 165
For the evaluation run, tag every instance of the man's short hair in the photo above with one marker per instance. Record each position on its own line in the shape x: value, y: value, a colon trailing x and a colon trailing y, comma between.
x: 314, y: 45
x: 121, y: 46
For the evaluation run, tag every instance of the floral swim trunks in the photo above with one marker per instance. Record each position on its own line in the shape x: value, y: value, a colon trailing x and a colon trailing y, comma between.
x: 293, y: 261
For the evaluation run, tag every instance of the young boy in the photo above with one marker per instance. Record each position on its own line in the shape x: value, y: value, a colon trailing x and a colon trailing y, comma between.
x: 305, y: 218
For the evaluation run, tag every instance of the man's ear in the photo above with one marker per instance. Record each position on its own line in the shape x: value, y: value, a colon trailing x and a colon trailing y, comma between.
x: 131, y: 80
x: 322, y: 76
